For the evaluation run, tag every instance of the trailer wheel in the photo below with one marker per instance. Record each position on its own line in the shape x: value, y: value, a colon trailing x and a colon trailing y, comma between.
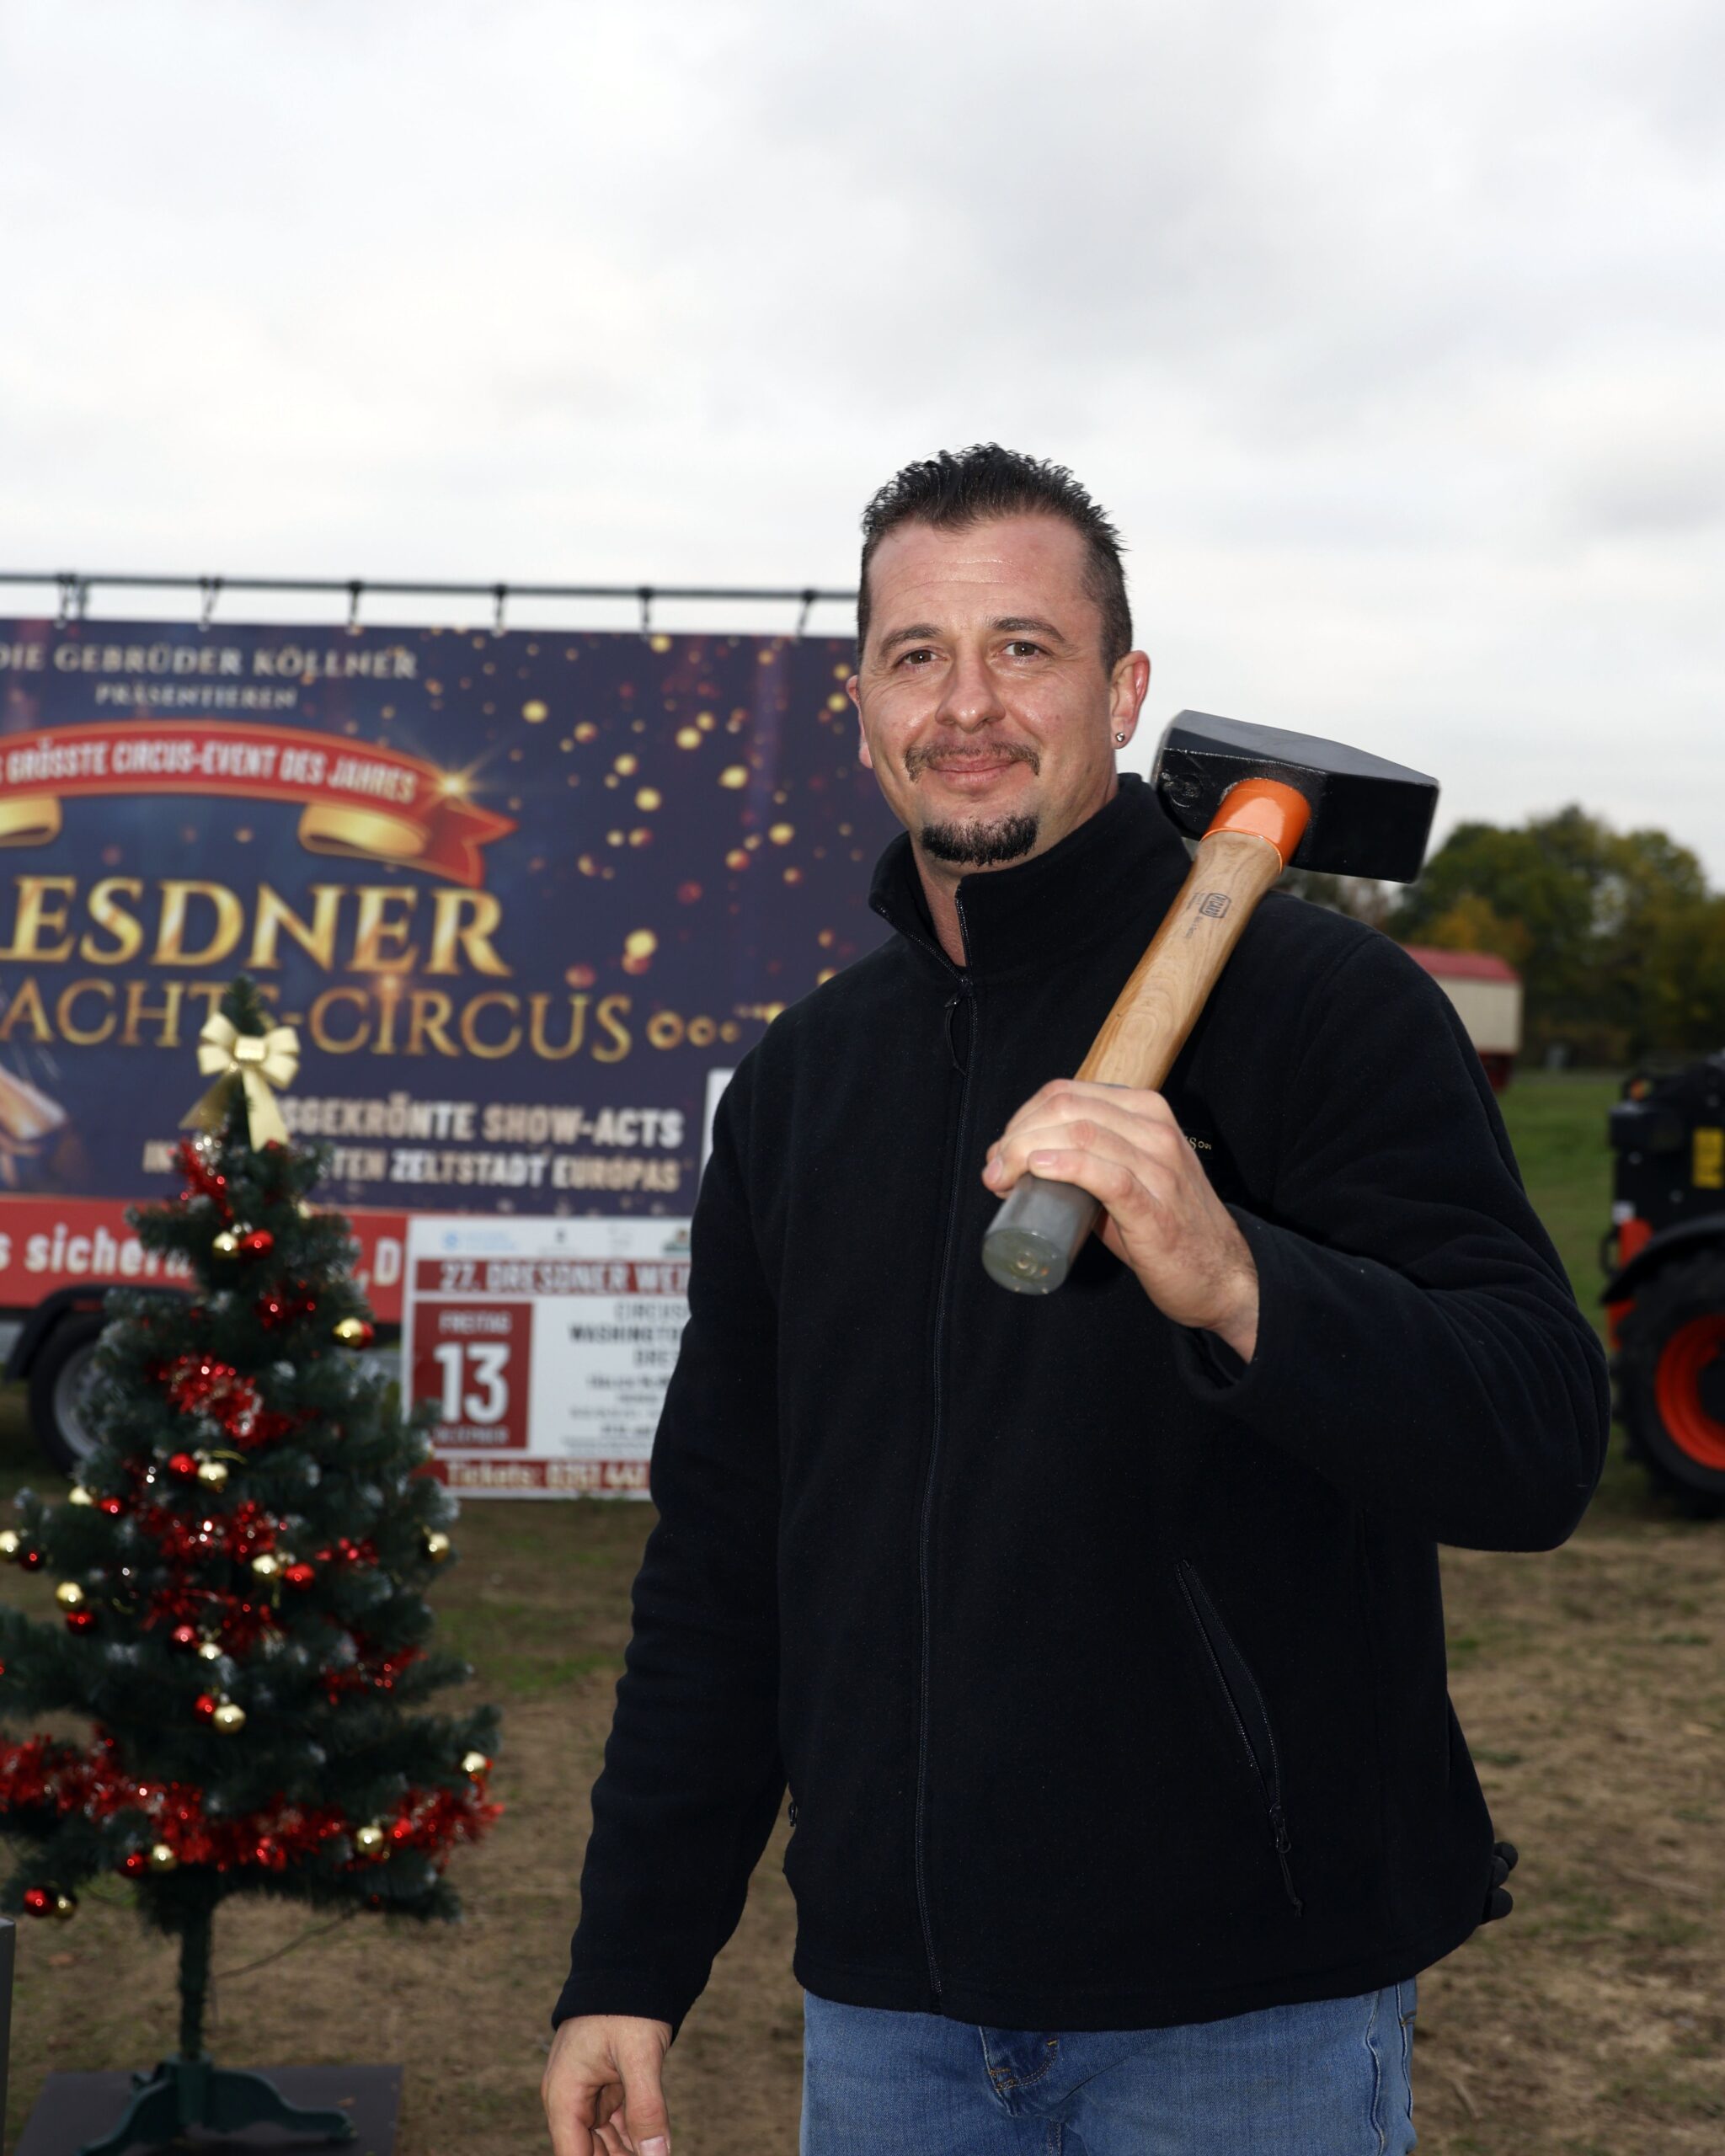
x: 60, y: 1372
x: 1673, y: 1383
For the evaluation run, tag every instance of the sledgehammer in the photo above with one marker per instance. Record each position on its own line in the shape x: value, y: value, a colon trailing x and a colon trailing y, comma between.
x: 1256, y: 799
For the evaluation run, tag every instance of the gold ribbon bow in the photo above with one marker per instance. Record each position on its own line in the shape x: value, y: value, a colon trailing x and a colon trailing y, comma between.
x: 258, y: 1062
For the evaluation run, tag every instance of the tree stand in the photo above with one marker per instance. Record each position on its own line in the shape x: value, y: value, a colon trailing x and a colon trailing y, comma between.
x: 189, y: 2090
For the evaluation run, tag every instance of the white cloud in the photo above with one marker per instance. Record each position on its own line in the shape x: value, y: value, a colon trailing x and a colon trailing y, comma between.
x: 1393, y: 337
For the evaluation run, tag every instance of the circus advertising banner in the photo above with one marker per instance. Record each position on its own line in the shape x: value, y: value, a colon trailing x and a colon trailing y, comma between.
x: 524, y: 898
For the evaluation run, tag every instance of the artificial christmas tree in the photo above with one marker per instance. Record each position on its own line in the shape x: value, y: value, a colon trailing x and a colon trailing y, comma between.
x: 239, y: 1576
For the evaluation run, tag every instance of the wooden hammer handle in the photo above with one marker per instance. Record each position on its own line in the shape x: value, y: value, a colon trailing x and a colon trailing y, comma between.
x: 1171, y: 984
x: 1031, y: 1242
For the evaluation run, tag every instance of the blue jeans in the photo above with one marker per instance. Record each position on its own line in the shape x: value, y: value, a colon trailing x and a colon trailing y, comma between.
x: 1327, y: 2080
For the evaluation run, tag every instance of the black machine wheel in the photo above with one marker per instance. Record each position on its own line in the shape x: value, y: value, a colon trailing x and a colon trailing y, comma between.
x: 60, y: 1371
x: 1672, y: 1381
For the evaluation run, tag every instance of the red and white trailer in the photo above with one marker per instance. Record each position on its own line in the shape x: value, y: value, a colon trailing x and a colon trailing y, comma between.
x: 1486, y: 993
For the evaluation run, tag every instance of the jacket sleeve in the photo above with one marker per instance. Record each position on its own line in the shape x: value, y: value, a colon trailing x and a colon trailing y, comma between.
x: 1419, y: 1344
x: 692, y: 1779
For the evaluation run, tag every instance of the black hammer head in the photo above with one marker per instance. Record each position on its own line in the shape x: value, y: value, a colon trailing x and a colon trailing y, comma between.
x: 1369, y: 817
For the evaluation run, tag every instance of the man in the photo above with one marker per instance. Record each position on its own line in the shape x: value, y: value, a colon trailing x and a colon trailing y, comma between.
x: 1098, y: 1637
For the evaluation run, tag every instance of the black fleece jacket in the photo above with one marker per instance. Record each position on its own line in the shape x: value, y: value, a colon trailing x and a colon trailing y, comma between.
x: 1107, y: 1673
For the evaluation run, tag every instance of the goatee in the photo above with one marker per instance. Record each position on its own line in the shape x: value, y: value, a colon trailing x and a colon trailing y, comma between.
x: 979, y: 846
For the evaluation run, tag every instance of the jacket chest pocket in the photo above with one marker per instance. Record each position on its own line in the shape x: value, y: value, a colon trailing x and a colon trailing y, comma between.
x: 1247, y: 1713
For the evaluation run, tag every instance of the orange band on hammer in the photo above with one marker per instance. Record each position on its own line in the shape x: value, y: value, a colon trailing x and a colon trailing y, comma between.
x: 1265, y: 809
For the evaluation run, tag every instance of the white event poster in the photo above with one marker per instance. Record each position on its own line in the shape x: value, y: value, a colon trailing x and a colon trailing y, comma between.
x: 546, y: 1346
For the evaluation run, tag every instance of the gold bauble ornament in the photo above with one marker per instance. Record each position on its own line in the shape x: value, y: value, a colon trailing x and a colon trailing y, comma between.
x: 213, y: 1474
x: 351, y: 1332
x: 209, y: 1650
x: 369, y: 1840
x: 229, y: 1719
x: 475, y: 1763
x: 162, y: 1858
x: 65, y: 1907
x: 226, y: 1244
x: 438, y: 1544
x: 11, y: 1542
x: 266, y: 1565
x: 77, y: 1494
x: 69, y: 1595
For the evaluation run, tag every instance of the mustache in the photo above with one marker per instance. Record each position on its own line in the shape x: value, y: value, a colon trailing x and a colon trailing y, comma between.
x: 920, y: 760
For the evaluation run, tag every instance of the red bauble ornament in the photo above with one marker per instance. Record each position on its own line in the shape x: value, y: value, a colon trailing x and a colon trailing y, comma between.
x: 136, y: 1865
x: 204, y: 1705
x: 29, y: 1560
x: 38, y: 1901
x: 80, y: 1620
x: 184, y: 1465
x: 113, y: 1506
x: 299, y: 1575
x: 184, y: 1636
x: 258, y: 1243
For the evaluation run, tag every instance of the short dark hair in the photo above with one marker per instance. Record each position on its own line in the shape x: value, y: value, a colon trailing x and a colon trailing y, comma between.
x: 964, y: 486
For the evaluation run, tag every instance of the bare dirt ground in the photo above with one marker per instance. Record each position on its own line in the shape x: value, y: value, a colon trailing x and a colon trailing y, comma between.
x: 1591, y: 1683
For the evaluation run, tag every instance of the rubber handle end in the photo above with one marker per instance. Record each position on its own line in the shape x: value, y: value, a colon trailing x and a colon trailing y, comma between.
x: 1032, y: 1240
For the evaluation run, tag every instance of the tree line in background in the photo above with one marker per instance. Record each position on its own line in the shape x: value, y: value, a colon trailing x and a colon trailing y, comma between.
x: 1617, y: 938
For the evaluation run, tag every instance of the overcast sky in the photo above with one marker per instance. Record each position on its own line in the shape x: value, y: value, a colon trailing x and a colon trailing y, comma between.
x: 1393, y: 336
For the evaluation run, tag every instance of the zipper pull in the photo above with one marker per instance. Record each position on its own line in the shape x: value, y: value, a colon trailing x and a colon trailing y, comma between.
x: 961, y: 994
x: 1284, y: 1844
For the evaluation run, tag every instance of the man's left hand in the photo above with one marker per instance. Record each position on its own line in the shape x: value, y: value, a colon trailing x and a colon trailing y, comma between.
x: 1160, y: 1214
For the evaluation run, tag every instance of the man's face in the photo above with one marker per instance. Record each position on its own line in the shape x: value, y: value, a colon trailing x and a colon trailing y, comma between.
x: 988, y: 717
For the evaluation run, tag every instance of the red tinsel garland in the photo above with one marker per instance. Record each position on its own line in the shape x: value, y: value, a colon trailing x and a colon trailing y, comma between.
x: 435, y: 1820
x: 43, y: 1776
x: 184, y: 1541
x: 198, y: 1385
x: 371, y: 1672
x: 201, y: 1179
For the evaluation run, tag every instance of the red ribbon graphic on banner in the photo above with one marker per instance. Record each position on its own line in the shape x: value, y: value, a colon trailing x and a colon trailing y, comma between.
x: 355, y: 798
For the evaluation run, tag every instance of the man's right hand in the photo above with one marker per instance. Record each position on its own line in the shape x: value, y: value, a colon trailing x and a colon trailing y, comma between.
x: 602, y: 2086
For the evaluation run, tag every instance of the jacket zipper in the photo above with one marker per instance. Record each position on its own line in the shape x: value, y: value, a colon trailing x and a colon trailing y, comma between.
x: 963, y: 993
x: 1251, y: 1721
x: 959, y: 995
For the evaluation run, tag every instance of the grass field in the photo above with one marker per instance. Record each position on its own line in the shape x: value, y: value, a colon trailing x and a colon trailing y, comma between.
x: 1590, y: 1682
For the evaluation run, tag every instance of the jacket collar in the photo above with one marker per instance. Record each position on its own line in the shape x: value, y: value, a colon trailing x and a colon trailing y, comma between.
x: 1020, y: 918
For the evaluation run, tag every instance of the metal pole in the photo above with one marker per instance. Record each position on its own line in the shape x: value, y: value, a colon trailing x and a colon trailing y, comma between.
x: 194, y: 1979
x: 82, y: 584
x: 8, y: 1947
